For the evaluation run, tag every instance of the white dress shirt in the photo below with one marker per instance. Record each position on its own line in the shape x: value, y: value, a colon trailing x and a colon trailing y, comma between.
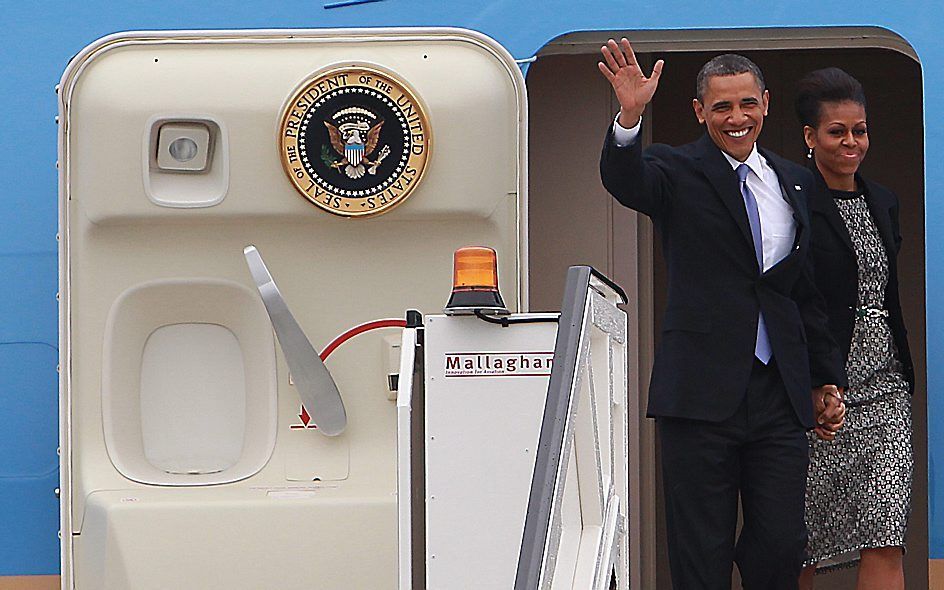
x: 777, y: 225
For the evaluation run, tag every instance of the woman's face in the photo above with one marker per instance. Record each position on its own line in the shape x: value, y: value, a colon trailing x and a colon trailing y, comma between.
x: 841, y: 139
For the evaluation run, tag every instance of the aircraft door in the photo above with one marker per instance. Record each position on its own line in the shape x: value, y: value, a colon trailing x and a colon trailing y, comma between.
x: 355, y: 162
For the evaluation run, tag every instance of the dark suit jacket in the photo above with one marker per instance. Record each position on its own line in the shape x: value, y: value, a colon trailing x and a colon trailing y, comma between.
x: 715, y: 289
x: 835, y: 260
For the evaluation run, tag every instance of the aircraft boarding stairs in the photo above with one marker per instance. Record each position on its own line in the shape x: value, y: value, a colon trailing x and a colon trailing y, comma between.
x: 498, y: 488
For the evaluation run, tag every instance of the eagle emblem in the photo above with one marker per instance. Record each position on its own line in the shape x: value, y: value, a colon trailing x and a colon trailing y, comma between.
x: 354, y: 140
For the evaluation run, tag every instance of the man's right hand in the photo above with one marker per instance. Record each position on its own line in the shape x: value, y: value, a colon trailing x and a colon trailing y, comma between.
x: 633, y: 89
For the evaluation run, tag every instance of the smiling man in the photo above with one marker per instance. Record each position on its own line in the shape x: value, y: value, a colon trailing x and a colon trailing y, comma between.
x: 745, y: 364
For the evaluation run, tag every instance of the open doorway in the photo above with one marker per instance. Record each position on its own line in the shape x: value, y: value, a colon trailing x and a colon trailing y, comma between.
x: 573, y: 220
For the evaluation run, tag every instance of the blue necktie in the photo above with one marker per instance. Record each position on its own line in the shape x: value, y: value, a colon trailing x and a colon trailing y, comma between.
x: 762, y: 344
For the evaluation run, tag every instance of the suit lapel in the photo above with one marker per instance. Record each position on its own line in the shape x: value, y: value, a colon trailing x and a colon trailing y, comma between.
x: 722, y: 177
x: 823, y: 202
x: 880, y: 217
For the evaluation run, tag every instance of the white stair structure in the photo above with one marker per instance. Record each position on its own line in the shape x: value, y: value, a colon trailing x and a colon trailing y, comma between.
x: 577, y: 534
x: 513, y: 448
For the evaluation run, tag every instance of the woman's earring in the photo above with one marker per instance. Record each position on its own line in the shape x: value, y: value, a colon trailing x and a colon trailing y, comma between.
x: 809, y: 154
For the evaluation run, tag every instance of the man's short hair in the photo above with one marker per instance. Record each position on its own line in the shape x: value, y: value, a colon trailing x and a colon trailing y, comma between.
x: 729, y: 64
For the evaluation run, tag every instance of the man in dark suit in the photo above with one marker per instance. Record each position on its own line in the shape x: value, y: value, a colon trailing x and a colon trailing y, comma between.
x: 744, y: 337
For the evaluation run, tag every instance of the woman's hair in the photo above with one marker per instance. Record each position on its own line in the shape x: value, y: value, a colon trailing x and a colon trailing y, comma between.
x: 825, y: 85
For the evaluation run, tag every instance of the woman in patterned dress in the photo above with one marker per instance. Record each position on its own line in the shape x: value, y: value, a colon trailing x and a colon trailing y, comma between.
x: 859, y: 485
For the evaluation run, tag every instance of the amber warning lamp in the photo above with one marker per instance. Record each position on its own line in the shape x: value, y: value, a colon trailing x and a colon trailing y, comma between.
x: 475, y: 283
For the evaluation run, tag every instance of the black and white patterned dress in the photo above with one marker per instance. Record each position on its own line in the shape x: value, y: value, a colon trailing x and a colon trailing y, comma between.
x: 859, y: 485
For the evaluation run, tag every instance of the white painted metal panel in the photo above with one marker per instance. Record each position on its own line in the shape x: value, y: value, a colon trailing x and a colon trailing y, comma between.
x: 404, y: 458
x: 484, y: 404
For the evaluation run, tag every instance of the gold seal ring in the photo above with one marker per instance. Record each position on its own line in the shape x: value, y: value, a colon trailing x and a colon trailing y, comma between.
x: 355, y: 141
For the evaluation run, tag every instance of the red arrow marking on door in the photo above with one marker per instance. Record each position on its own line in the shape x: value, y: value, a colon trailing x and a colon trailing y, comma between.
x: 304, y: 416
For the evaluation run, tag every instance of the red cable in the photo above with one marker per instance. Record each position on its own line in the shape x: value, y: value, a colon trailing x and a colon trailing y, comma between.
x: 388, y: 323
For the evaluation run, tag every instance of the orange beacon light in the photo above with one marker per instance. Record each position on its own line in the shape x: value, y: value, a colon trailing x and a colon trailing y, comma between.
x: 475, y: 283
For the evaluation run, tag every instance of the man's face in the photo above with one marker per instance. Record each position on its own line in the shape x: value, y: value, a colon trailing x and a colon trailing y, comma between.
x: 733, y: 109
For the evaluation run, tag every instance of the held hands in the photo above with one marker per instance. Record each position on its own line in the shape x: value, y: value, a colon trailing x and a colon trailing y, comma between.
x: 633, y: 89
x: 829, y: 411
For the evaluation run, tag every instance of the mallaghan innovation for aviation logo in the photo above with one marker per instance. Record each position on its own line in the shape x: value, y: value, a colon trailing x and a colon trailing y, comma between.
x: 354, y: 141
x: 499, y: 364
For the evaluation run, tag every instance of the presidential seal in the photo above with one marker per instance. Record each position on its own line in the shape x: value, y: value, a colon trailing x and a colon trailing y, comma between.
x: 354, y: 141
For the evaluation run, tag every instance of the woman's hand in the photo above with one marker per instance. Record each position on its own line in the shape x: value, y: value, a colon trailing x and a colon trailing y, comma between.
x: 828, y: 410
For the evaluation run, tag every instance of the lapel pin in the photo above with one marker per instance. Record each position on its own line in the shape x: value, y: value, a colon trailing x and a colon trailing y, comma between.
x: 798, y: 187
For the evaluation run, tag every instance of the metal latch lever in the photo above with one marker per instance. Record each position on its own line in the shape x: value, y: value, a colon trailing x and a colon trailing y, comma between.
x: 316, y: 387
